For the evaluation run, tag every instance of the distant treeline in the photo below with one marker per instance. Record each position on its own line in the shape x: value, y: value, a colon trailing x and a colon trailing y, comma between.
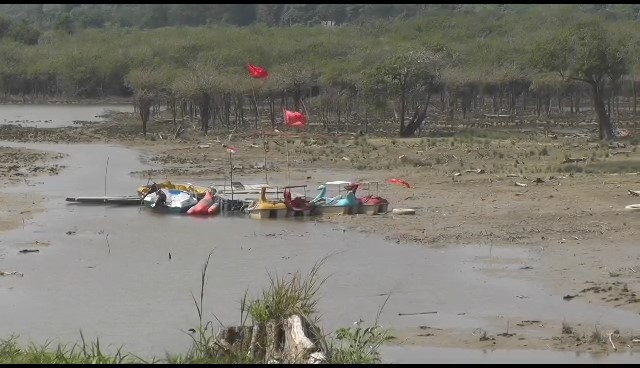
x: 463, y: 59
x: 149, y: 16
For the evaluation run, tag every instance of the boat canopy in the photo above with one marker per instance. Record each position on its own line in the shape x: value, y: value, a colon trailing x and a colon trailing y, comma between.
x: 339, y: 182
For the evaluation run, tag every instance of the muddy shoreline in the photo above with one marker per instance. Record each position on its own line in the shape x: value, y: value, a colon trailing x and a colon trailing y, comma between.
x: 466, y: 191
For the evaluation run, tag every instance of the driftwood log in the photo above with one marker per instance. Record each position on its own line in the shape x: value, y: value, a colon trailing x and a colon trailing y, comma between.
x: 573, y: 160
x: 284, y: 341
x: 620, y: 152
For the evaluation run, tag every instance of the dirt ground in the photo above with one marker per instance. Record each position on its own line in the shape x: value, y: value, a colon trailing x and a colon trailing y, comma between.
x: 562, y: 192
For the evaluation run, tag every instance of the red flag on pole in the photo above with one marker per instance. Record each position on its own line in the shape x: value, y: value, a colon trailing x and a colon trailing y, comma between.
x: 294, y: 119
x: 257, y: 72
x: 230, y: 149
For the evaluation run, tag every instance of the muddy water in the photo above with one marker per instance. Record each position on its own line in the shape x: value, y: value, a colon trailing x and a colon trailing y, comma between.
x: 54, y: 116
x: 107, y: 271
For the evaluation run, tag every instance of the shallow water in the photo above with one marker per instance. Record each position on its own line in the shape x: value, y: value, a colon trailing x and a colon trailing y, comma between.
x: 55, y: 116
x: 111, y: 276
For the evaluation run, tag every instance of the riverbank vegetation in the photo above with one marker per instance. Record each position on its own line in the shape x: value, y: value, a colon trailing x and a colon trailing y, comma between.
x: 295, y: 295
x: 456, y: 63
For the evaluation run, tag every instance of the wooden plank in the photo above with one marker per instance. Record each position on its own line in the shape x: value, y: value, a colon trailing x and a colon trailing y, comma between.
x: 129, y: 200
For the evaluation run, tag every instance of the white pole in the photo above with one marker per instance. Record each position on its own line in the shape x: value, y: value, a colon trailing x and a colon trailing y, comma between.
x: 286, y: 145
x: 231, y: 175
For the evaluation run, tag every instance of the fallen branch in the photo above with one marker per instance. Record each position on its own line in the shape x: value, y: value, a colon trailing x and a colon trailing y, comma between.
x: 620, y: 152
x: 611, y: 341
x: 9, y: 273
x: 178, y: 131
x: 634, y: 192
x: 414, y: 314
x: 573, y: 160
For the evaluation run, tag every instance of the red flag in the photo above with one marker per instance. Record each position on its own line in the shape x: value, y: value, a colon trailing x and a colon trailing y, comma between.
x: 230, y: 149
x: 257, y: 72
x: 294, y: 119
x: 398, y: 181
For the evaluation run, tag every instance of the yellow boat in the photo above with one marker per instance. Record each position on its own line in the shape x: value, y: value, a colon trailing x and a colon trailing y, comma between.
x: 264, y: 208
x: 200, y: 191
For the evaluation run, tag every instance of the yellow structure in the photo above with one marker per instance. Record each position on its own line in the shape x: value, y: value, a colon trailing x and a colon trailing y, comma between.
x: 264, y: 208
x: 200, y: 191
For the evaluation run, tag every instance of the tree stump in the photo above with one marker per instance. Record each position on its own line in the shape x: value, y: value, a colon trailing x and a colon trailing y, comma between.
x: 298, y: 346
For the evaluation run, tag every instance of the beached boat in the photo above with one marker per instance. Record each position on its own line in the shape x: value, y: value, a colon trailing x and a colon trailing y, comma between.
x: 298, y: 206
x: 209, y: 205
x: 199, y: 190
x: 170, y: 200
x: 264, y: 208
x: 370, y: 204
x: 344, y: 204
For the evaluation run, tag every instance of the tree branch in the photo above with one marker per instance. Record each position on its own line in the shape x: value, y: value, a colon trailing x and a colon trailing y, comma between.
x: 582, y: 80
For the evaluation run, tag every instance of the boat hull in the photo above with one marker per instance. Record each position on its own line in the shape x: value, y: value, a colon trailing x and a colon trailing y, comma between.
x: 373, y: 209
x: 168, y: 209
x: 334, y: 210
x: 261, y: 214
x: 176, y: 201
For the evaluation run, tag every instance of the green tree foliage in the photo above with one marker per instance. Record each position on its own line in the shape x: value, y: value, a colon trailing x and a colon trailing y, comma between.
x: 586, y: 52
x: 5, y: 24
x: 469, y: 59
x: 23, y: 32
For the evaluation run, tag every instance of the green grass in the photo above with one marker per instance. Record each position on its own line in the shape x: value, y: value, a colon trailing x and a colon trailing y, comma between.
x: 602, y: 167
x: 287, y: 296
x: 12, y: 353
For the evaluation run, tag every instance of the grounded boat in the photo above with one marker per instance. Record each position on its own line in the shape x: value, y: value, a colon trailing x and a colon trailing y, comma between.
x: 341, y: 204
x: 170, y: 200
x: 298, y: 206
x: 370, y: 204
x: 264, y: 208
x: 200, y: 191
x: 207, y: 206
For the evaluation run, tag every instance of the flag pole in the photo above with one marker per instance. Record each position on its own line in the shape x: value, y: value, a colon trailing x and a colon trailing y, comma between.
x: 264, y: 142
x: 286, y: 147
x: 264, y: 146
x: 231, y: 174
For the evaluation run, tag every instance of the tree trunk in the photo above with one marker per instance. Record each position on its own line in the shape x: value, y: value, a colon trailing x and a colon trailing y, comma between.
x: 144, y: 103
x: 417, y: 120
x: 635, y: 99
x: 403, y: 97
x: 605, y: 129
x: 205, y: 113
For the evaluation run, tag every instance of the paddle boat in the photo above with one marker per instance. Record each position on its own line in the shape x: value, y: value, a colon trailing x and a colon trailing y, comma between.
x: 264, y: 208
x: 199, y: 190
x: 370, y: 204
x: 345, y: 204
x: 298, y: 206
x: 209, y: 205
x: 170, y: 200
